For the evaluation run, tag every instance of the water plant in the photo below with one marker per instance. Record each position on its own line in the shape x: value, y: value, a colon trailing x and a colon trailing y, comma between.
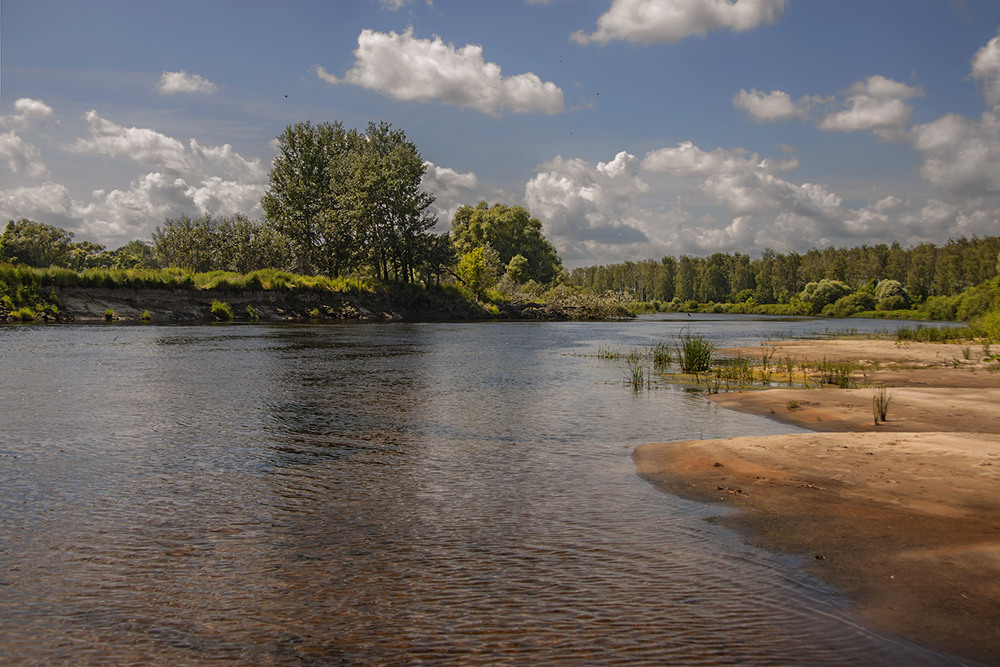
x: 635, y: 372
x: 694, y: 353
x: 221, y: 311
x: 661, y: 355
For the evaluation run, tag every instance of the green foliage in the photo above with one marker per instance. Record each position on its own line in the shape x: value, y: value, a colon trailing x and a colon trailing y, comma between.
x: 820, y: 294
x: 23, y: 314
x: 851, y: 304
x: 144, y: 316
x: 252, y: 313
x: 110, y: 315
x: 478, y: 269
x: 518, y: 269
x: 694, y: 353
x: 511, y: 231
x: 890, y: 295
x: 221, y: 311
x: 347, y: 200
x: 988, y: 325
x: 36, y: 244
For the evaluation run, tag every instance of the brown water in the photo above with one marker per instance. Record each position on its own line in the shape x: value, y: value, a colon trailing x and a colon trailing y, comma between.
x: 378, y: 494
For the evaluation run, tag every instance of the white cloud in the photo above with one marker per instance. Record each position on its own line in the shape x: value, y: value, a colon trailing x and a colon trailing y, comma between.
x: 21, y: 157
x: 585, y: 206
x: 649, y: 21
x: 423, y: 70
x: 876, y: 104
x: 180, y: 179
x: 147, y: 147
x: 961, y: 156
x: 776, y: 105
x: 451, y: 190
x: 986, y: 70
x: 182, y: 82
x: 30, y: 113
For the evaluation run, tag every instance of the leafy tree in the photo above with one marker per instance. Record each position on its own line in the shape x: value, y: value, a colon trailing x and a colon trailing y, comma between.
x: 479, y: 268
x: 35, y: 244
x: 303, y: 201
x: 825, y: 292
x: 135, y: 255
x: 186, y: 243
x: 890, y: 295
x: 510, y: 230
x: 383, y: 197
x: 517, y: 269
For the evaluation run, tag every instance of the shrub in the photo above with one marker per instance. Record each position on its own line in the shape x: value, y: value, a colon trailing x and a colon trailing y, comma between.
x: 252, y: 313
x: 145, y: 316
x: 890, y: 295
x: 221, y: 311
x: 851, y: 304
x: 110, y: 315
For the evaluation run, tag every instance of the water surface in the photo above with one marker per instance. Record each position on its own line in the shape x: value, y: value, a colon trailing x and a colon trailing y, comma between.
x: 380, y: 494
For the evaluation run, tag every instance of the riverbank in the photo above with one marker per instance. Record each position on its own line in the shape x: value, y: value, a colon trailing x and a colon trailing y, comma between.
x: 903, y: 515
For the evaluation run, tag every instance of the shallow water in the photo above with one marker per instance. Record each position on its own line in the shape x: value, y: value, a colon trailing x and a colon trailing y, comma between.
x: 376, y: 494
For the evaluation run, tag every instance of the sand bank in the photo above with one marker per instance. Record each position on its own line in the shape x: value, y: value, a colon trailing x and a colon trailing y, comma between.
x: 904, y: 516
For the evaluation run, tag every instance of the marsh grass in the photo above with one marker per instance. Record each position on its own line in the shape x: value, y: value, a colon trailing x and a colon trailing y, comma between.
x: 881, y: 396
x: 694, y: 353
x: 837, y: 373
x: 661, y: 355
x: 635, y: 372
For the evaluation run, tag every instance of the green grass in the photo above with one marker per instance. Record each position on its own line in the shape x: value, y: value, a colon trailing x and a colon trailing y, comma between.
x: 694, y: 353
x: 221, y: 311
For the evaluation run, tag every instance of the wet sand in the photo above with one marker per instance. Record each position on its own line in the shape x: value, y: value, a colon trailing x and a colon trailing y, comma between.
x: 903, y: 515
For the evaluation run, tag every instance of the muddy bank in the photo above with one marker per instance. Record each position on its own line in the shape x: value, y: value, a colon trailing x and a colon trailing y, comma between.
x: 83, y: 304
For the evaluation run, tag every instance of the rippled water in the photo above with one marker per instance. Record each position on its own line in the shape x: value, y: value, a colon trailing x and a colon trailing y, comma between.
x: 379, y: 494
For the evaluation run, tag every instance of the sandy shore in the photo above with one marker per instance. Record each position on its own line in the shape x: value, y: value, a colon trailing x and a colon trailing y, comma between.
x: 904, y: 516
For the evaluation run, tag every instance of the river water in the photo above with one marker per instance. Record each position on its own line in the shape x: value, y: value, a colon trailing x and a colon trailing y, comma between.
x: 381, y: 494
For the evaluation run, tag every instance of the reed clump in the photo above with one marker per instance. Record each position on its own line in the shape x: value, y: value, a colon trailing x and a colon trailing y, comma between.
x: 881, y: 396
x: 694, y: 353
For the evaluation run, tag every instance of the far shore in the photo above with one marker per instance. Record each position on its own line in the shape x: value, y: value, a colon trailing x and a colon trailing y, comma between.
x: 902, y: 515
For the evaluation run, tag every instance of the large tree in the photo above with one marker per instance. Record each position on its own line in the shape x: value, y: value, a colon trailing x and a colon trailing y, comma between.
x: 348, y: 200
x: 511, y: 231
x: 304, y: 198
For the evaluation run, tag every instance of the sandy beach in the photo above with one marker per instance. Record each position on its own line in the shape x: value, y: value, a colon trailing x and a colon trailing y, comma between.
x: 902, y: 515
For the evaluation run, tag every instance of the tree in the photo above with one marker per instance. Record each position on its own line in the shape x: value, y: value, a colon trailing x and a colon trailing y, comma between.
x: 35, y: 244
x: 479, y: 268
x: 510, y: 230
x: 303, y: 200
x: 348, y: 200
x: 186, y: 243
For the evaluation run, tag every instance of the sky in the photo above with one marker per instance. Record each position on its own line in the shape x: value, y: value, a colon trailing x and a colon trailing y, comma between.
x: 632, y: 129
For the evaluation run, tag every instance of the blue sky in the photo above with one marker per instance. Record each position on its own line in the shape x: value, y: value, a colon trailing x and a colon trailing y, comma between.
x: 632, y: 129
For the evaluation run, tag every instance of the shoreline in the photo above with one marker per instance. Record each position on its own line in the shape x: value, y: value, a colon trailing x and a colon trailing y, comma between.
x: 903, y: 516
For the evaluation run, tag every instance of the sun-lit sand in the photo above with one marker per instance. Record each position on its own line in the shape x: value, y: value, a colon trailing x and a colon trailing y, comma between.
x: 903, y: 515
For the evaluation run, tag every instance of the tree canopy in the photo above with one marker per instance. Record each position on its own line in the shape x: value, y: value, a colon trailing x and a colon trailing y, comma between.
x: 347, y: 200
x: 510, y: 231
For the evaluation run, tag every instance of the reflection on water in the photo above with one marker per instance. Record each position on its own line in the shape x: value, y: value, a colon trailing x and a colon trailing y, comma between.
x: 377, y: 494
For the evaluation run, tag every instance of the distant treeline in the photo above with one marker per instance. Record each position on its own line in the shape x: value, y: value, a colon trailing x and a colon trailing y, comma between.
x: 926, y: 270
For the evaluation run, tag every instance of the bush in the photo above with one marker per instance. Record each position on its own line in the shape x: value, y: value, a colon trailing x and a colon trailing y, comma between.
x: 890, y: 295
x: 821, y: 294
x: 851, y: 304
x: 221, y: 311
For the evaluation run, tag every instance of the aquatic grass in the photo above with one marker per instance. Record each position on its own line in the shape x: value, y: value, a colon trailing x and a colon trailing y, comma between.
x: 694, y: 353
x: 635, y: 371
x: 661, y: 355
x: 607, y: 352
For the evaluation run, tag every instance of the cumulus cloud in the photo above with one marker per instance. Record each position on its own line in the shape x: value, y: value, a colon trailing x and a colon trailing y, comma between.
x: 773, y: 106
x: 986, y: 70
x: 20, y: 156
x: 650, y: 21
x: 587, y: 206
x: 877, y: 104
x: 961, y: 155
x: 424, y: 70
x: 451, y: 190
x: 30, y: 113
x: 182, y: 82
x: 195, y: 179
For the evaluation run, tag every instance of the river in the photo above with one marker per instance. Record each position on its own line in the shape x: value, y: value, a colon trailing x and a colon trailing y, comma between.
x: 398, y: 493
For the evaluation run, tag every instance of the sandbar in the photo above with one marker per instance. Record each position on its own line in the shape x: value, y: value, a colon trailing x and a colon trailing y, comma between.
x: 902, y: 515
